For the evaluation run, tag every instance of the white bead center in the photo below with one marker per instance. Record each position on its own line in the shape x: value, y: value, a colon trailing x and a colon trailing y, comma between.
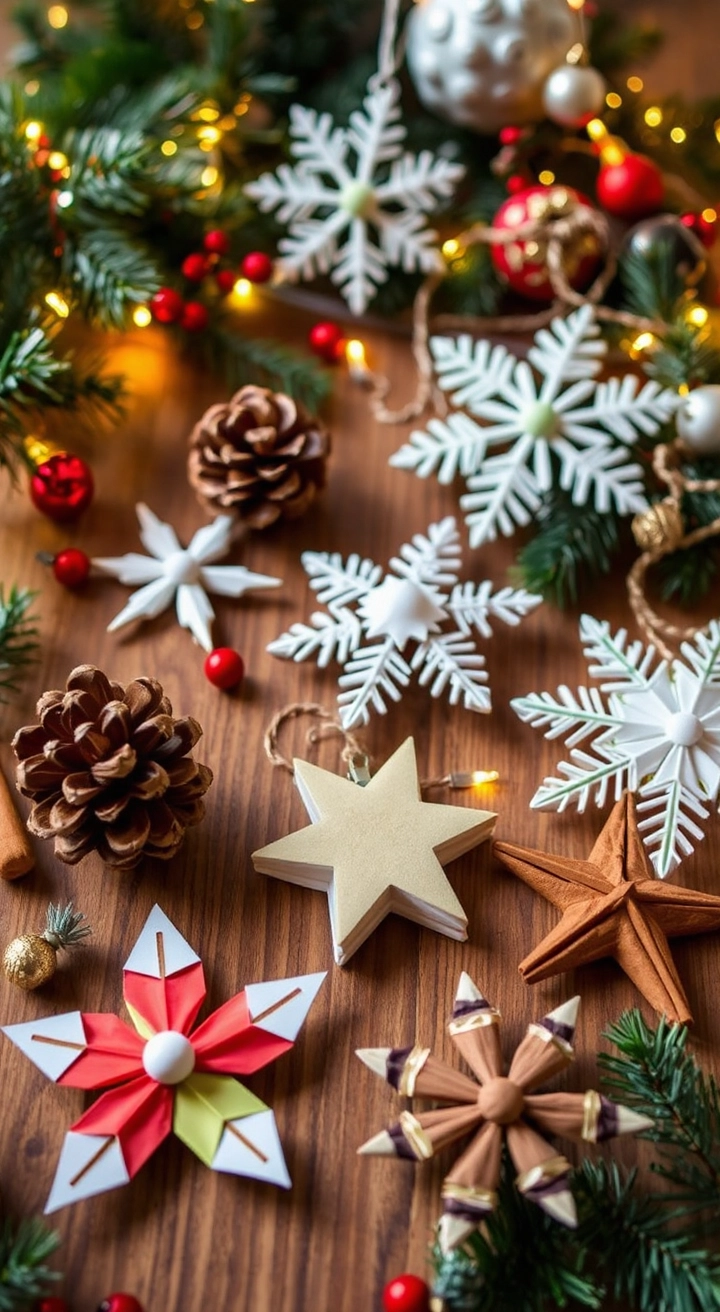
x: 684, y: 729
x: 181, y: 568
x: 168, y: 1057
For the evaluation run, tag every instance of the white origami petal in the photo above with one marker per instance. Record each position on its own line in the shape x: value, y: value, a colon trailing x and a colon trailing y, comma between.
x: 131, y: 569
x: 212, y: 541
x: 250, y: 1146
x: 159, y: 538
x: 52, y: 1044
x: 84, y: 1169
x: 145, y: 604
x: 234, y: 580
x: 280, y: 1006
x: 195, y: 612
x: 145, y: 956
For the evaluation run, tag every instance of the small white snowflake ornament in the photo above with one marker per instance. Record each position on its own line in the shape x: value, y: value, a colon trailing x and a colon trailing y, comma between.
x: 184, y: 575
x: 355, y: 202
x: 656, y: 733
x: 406, y: 606
x: 562, y: 428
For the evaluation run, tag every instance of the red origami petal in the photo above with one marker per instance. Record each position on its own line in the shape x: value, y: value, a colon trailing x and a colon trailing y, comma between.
x: 170, y: 1003
x: 113, y: 1054
x: 227, y: 1041
x: 139, y: 1115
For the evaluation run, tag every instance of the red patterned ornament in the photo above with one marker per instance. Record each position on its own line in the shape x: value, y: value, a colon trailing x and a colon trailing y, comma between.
x: 522, y: 264
x: 62, y: 487
x: 325, y: 340
x: 167, y: 305
x: 216, y: 242
x: 630, y: 188
x: 195, y: 267
x: 120, y: 1303
x: 224, y: 668
x: 71, y: 567
x: 406, y: 1293
x: 257, y: 267
x: 194, y: 317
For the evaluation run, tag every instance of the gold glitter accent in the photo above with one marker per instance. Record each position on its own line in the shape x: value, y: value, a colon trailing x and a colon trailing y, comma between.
x: 544, y: 1173
x: 559, y: 198
x: 470, y: 1196
x: 514, y: 255
x: 416, y: 1136
x: 29, y: 961
x: 531, y: 249
x: 414, y: 1063
x: 540, y: 1032
x: 592, y: 1107
x: 475, y: 1020
x: 660, y: 528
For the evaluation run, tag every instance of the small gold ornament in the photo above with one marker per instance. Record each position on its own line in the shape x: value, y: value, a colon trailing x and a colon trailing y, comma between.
x: 31, y: 959
x: 660, y: 528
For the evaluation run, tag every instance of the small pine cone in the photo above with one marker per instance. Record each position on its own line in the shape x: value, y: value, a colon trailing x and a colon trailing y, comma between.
x: 261, y: 457
x: 109, y: 770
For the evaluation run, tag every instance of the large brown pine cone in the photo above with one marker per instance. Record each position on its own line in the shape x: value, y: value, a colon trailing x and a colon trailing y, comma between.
x: 108, y: 769
x: 261, y: 457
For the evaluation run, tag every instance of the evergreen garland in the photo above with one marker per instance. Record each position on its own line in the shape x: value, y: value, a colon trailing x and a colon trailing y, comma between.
x: 24, y: 1273
x: 18, y: 636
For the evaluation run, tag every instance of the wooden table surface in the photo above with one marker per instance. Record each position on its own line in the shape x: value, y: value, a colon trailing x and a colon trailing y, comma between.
x: 181, y: 1237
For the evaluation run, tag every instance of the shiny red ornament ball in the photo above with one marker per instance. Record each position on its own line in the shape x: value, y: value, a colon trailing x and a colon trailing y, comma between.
x: 224, y: 668
x: 167, y: 305
x: 521, y: 264
x: 71, y: 567
x: 194, y: 267
x: 62, y: 487
x: 324, y: 339
x: 226, y: 279
x: 216, y: 242
x: 704, y: 228
x: 257, y: 267
x: 631, y: 189
x: 516, y: 183
x: 406, y: 1293
x: 194, y: 317
x: 120, y: 1303
x: 53, y: 1304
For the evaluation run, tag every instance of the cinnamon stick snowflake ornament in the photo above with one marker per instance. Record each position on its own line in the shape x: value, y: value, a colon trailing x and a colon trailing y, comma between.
x: 164, y: 1075
x: 495, y: 1109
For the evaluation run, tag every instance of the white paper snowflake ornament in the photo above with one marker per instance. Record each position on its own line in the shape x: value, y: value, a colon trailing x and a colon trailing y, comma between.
x: 562, y: 428
x: 656, y: 733
x: 184, y: 575
x: 406, y: 606
x: 355, y: 202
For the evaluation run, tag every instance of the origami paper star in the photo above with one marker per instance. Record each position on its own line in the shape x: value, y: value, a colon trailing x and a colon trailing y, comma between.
x: 502, y: 1108
x: 184, y: 575
x: 376, y: 849
x: 169, y: 1076
x: 614, y: 907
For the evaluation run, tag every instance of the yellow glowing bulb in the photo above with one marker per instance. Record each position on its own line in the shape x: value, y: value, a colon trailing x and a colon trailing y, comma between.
x: 56, y: 160
x: 209, y: 176
x: 485, y: 776
x: 472, y: 778
x: 683, y: 390
x: 709, y: 215
x: 635, y: 84
x: 613, y: 100
x: 450, y: 248
x: 32, y: 87
x: 210, y: 134
x: 58, y: 304
x: 141, y: 316
x: 698, y: 316
x: 546, y: 177
x: 208, y: 113
x: 169, y: 147
x: 194, y: 21
x: 576, y: 4
x: 355, y: 352
x: 653, y: 116
x: 716, y: 128
x: 243, y: 288
x: 33, y: 130
x: 37, y: 450
x: 57, y: 16
x: 596, y: 129
x: 643, y: 342
x: 678, y: 135
x: 612, y: 151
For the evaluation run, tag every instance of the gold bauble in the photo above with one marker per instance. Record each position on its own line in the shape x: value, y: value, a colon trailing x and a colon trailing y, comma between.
x: 29, y: 961
x: 660, y: 528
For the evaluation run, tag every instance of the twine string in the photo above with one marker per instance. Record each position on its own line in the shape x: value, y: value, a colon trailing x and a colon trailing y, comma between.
x: 329, y: 727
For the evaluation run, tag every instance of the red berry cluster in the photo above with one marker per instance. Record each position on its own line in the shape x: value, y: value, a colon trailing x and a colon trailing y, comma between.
x: 168, y: 306
x: 113, y: 1303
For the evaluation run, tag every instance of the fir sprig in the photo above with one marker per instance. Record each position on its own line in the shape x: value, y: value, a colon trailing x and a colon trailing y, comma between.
x: 571, y: 546
x: 18, y: 636
x: 24, y: 1273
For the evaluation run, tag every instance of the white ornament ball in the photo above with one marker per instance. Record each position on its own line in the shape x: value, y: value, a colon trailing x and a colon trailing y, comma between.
x: 168, y: 1057
x: 482, y: 63
x: 698, y: 420
x: 573, y: 95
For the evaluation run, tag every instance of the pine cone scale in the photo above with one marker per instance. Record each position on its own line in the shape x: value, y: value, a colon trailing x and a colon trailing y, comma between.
x: 118, y: 766
x: 79, y: 789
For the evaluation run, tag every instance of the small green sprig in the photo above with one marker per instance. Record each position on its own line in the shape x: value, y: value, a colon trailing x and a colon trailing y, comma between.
x: 18, y: 636
x: 24, y: 1273
x: 64, y: 927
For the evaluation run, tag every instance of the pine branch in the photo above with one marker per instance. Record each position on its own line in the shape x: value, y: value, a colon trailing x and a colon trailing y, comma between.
x: 24, y: 1274
x: 269, y: 363
x: 109, y: 272
x: 572, y: 545
x: 18, y: 636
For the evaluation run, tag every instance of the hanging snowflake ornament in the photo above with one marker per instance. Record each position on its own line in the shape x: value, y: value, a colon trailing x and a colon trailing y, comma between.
x: 184, y: 575
x: 562, y: 428
x: 165, y: 1076
x: 373, y: 618
x: 657, y: 733
x: 355, y: 202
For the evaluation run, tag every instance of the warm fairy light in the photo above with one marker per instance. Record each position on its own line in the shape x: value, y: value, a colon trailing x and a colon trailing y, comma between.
x: 194, y: 20
x: 575, y: 54
x: 64, y: 199
x: 698, y: 316
x: 643, y: 342
x: 33, y: 130
x: 169, y: 148
x: 209, y: 176
x: 228, y: 122
x: 716, y: 128
x: 612, y: 151
x: 576, y: 4
x: 596, y: 129
x: 355, y: 353
x: 58, y: 304
x: 546, y: 177
x: 613, y: 100
x: 141, y: 316
x: 485, y: 776
x: 209, y: 134
x: 678, y: 135
x: 56, y: 160
x: 243, y: 288
x: 32, y: 87
x: 709, y: 215
x: 473, y: 778
x: 683, y: 390
x: 36, y: 449
x: 57, y: 16
x: 450, y: 247
x: 653, y: 116
x: 635, y: 84
x: 208, y: 113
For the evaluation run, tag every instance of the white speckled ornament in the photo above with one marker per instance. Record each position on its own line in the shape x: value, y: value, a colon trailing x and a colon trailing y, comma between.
x: 698, y: 420
x: 483, y: 63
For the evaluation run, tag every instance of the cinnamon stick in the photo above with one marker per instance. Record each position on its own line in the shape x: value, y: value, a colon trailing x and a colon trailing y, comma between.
x: 16, y: 856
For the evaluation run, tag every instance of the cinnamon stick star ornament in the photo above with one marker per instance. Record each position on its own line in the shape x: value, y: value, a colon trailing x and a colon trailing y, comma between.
x: 376, y: 849
x: 613, y: 907
x: 501, y: 1108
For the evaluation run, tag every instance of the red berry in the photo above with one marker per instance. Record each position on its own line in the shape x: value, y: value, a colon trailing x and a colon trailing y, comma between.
x: 257, y: 267
x: 226, y: 279
x: 53, y: 1304
x: 516, y: 183
x: 705, y: 228
x: 406, y: 1294
x: 71, y: 567
x: 325, y: 339
x: 510, y: 136
x: 62, y: 487
x: 120, y: 1303
x: 194, y: 317
x: 631, y: 189
x: 216, y: 242
x: 224, y: 668
x: 194, y: 267
x: 167, y: 305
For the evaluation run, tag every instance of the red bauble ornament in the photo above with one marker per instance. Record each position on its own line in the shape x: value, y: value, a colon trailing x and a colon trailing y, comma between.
x: 216, y: 242
x: 705, y: 228
x: 521, y: 264
x: 71, y: 567
x: 224, y: 668
x: 120, y: 1303
x: 62, y: 487
x: 631, y: 189
x: 516, y: 183
x: 194, y: 317
x: 226, y: 279
x: 510, y: 136
x: 257, y: 267
x: 406, y: 1294
x: 167, y: 305
x: 194, y: 267
x: 53, y: 1304
x: 324, y: 339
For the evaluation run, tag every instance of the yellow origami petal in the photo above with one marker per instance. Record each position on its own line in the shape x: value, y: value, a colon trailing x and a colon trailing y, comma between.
x: 203, y: 1106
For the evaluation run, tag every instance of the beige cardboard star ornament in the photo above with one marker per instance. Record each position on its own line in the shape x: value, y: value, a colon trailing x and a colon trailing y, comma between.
x: 376, y: 849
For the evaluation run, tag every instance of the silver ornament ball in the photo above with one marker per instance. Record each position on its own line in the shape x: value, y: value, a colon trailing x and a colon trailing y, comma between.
x: 482, y: 63
x: 698, y: 420
x: 573, y: 95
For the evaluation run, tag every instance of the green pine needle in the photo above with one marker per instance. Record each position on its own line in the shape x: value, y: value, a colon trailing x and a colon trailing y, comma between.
x: 64, y: 926
x: 572, y: 545
x: 18, y: 636
x: 24, y: 1274
x: 268, y: 363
